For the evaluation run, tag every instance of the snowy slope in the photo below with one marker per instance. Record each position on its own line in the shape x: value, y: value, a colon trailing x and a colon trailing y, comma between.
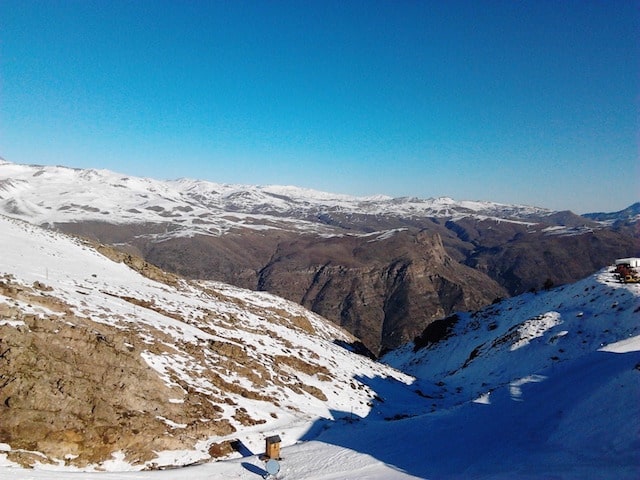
x: 47, y: 195
x: 542, y: 385
x: 506, y: 343
x: 268, y: 365
x: 550, y: 392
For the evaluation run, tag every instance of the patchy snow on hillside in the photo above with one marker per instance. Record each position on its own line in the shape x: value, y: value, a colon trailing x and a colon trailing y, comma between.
x: 282, y: 367
x: 49, y: 195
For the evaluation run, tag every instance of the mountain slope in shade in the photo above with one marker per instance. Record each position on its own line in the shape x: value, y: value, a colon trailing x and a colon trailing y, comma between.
x: 520, y: 336
x: 630, y: 214
x: 538, y: 386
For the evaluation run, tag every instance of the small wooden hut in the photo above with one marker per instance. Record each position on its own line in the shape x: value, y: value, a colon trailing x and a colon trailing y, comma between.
x: 272, y: 449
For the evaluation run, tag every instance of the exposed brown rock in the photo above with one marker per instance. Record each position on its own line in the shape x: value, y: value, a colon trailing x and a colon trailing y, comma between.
x: 384, y: 291
x: 75, y: 387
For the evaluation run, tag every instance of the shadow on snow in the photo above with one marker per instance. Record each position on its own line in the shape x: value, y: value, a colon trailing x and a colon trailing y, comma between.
x: 554, y: 424
x: 242, y: 449
x: 255, y: 469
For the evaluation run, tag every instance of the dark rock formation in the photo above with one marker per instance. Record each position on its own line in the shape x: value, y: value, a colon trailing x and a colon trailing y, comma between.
x: 386, y: 287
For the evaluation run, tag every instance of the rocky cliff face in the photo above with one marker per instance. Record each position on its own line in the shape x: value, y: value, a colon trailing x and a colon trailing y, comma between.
x: 384, y: 289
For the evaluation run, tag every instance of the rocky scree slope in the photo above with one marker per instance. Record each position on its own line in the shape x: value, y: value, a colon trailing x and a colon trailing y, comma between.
x: 104, y: 354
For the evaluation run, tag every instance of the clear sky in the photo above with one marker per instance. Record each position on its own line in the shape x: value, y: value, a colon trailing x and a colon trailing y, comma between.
x: 532, y: 101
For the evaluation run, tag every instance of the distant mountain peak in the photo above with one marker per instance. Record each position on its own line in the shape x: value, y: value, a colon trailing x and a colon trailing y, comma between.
x: 629, y: 214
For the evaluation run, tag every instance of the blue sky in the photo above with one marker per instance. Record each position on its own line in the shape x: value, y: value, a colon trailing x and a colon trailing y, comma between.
x: 533, y: 102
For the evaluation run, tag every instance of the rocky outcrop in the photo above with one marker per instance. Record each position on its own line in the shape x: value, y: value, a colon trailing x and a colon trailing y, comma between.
x: 58, y: 385
x: 383, y: 289
x: 76, y: 390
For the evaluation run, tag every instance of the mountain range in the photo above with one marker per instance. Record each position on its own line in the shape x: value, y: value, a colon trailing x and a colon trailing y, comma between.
x: 381, y: 267
x: 629, y: 215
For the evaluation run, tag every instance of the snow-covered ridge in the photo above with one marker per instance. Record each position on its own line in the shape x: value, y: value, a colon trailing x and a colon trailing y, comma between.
x: 524, y: 336
x: 54, y: 194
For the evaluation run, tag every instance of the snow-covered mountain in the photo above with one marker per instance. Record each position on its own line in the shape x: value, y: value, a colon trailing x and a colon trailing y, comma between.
x: 97, y: 357
x: 48, y: 194
x: 108, y: 363
x: 631, y: 214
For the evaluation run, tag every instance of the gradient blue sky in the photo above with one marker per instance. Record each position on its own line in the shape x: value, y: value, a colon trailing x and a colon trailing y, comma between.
x: 533, y: 102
